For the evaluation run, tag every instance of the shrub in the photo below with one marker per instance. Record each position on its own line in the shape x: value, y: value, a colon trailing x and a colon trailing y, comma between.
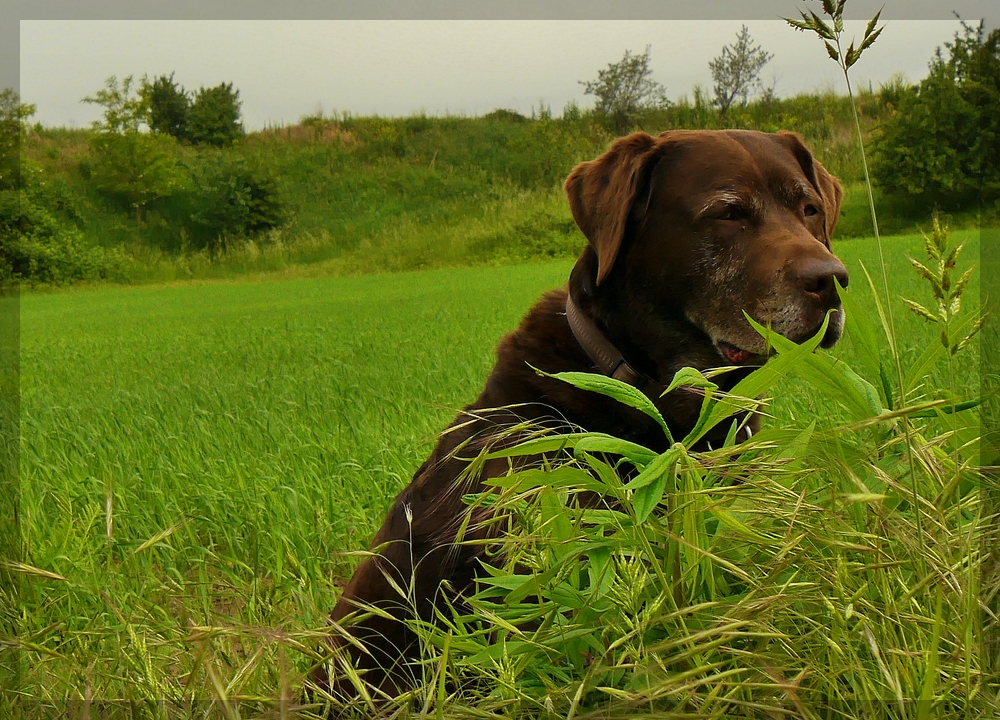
x: 36, y: 246
x: 233, y: 198
x: 941, y: 146
x: 130, y: 166
x: 736, y: 71
x: 625, y: 90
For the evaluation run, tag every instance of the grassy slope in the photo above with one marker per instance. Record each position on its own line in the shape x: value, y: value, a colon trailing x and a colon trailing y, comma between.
x: 370, y: 194
x: 266, y: 425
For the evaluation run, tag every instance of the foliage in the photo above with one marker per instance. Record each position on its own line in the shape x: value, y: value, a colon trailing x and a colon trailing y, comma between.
x: 124, y: 108
x: 135, y: 168
x: 941, y: 145
x: 233, y: 198
x: 736, y: 71
x: 214, y: 116
x: 167, y: 105
x: 38, y: 247
x: 365, y: 194
x: 625, y: 89
x: 130, y: 166
x: 13, y: 115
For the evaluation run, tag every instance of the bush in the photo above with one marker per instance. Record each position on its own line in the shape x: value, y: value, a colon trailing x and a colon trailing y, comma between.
x: 234, y: 198
x: 35, y: 246
x: 625, y: 90
x: 941, y: 146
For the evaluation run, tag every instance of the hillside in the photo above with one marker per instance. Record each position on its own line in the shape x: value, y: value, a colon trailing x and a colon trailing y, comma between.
x: 366, y: 194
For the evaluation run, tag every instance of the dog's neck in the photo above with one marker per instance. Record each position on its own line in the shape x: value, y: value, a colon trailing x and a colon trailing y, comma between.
x: 605, y: 355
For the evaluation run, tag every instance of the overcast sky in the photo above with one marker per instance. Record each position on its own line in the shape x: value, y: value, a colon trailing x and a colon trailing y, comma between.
x: 287, y: 69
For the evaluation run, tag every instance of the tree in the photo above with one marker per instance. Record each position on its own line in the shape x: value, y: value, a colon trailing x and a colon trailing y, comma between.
x: 625, y: 90
x: 736, y: 71
x: 214, y: 116
x: 13, y: 114
x: 129, y: 165
x: 167, y: 106
x: 941, y: 145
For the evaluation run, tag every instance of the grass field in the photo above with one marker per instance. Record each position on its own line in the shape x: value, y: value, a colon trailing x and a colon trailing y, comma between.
x: 197, y: 458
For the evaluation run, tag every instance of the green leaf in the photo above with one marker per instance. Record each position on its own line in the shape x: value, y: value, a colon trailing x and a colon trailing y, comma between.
x: 836, y: 378
x: 948, y: 409
x: 729, y: 520
x: 883, y: 318
x: 690, y: 377
x: 796, y: 449
x: 565, y: 476
x: 741, y: 397
x: 633, y: 452
x: 832, y: 51
x: 602, y: 573
x: 655, y: 468
x: 887, y: 393
x: 858, y: 327
x: 648, y: 497
x: 651, y: 482
x: 615, y: 389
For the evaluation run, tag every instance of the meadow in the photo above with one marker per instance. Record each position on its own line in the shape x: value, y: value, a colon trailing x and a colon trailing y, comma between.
x: 199, y: 460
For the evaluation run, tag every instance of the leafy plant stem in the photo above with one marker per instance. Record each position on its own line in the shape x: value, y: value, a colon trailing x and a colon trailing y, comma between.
x: 842, y: 60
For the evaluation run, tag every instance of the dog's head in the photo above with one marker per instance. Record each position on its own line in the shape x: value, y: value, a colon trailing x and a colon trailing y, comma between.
x: 690, y: 229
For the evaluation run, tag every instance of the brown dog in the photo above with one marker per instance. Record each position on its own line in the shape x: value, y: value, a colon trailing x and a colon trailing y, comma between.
x: 686, y: 231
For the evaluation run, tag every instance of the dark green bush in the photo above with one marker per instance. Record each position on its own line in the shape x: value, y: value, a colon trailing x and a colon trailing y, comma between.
x: 233, y: 198
x: 38, y: 247
x: 941, y: 145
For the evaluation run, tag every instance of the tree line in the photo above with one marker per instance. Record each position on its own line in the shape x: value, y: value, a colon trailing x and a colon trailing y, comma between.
x: 938, y: 147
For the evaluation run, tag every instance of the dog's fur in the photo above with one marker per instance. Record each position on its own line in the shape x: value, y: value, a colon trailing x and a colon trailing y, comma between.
x: 685, y: 231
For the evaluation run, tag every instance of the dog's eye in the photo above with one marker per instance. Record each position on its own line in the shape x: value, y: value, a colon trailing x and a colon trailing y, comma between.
x: 811, y: 210
x: 733, y: 213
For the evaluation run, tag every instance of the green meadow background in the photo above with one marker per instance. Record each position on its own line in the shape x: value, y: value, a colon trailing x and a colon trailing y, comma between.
x: 198, y: 459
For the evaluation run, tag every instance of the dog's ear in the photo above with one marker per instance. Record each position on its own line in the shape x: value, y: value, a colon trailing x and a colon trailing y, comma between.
x: 829, y: 187
x: 601, y: 194
x: 833, y: 195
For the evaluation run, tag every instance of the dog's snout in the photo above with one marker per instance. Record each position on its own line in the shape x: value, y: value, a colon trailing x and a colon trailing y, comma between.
x: 816, y: 278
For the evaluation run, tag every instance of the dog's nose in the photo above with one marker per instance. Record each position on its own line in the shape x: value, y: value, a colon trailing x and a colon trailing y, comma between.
x: 816, y: 277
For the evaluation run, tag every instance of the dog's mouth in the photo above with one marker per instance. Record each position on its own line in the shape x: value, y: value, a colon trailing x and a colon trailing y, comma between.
x: 736, y: 355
